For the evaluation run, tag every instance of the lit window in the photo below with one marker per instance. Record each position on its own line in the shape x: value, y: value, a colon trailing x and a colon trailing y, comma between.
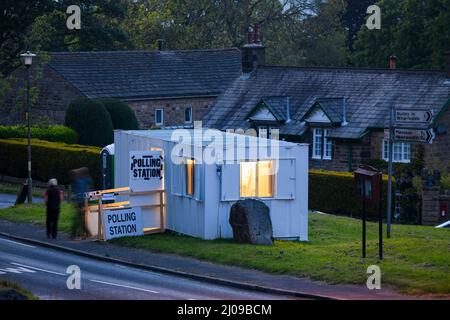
x: 256, y: 179
x: 322, y: 144
x: 190, y: 164
x: 159, y: 117
x: 188, y: 115
x: 402, y: 152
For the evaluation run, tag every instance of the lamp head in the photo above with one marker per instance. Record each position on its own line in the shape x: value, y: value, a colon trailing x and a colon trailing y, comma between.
x: 27, y: 58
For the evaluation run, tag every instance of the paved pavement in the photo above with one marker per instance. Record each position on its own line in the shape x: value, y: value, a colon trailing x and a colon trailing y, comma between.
x: 43, y: 272
x: 8, y: 200
x: 168, y: 263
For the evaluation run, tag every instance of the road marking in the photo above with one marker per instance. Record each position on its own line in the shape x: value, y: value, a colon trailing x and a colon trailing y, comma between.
x: 22, y: 244
x: 39, y: 269
x: 123, y: 286
x: 18, y: 270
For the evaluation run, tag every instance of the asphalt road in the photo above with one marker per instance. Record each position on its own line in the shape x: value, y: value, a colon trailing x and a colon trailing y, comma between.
x: 43, y: 271
x: 8, y: 200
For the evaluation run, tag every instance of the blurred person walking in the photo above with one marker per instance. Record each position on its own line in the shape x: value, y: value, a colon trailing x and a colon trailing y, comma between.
x: 81, y: 183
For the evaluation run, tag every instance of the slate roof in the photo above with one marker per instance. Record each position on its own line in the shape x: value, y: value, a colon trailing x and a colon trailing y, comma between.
x: 276, y: 105
x: 369, y: 95
x: 148, y: 74
x: 333, y: 108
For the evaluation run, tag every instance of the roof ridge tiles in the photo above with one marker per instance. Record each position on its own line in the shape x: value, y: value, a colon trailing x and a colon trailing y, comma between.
x: 370, y: 70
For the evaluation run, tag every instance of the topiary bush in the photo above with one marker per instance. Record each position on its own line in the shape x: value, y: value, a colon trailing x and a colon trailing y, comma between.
x: 121, y: 114
x: 334, y: 192
x: 49, y: 133
x: 92, y: 122
x: 49, y: 159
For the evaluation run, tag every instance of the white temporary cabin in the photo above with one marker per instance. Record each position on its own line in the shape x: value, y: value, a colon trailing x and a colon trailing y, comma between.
x: 199, y: 192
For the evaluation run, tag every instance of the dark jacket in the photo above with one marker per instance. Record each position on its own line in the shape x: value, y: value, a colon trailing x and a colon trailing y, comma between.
x: 53, y: 198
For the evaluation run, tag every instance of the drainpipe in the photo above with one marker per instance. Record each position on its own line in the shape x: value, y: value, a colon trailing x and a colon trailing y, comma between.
x: 344, y: 112
x: 288, y: 109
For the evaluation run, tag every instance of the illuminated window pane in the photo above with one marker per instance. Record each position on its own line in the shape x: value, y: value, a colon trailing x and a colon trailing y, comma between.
x: 265, y: 179
x: 190, y: 163
x: 248, y: 179
x: 257, y: 179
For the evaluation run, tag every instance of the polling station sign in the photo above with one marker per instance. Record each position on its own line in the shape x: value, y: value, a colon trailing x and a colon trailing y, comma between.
x: 123, y: 223
x: 146, y: 170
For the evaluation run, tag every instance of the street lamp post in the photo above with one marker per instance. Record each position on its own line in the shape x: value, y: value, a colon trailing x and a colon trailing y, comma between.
x: 28, y: 60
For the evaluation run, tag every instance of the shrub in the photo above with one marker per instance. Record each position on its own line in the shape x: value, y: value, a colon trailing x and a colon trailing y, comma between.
x: 333, y: 192
x: 49, y: 159
x: 121, y: 114
x: 49, y: 133
x: 92, y: 122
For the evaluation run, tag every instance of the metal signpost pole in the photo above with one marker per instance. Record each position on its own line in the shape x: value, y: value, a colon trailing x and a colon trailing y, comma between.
x: 380, y: 219
x: 30, y: 182
x: 389, y: 195
x: 364, y: 219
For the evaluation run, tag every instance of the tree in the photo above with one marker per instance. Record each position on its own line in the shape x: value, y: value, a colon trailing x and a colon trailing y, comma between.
x: 91, y: 121
x: 16, y: 16
x: 101, y: 28
x: 417, y: 32
x: 121, y: 114
x: 288, y: 27
x: 354, y: 18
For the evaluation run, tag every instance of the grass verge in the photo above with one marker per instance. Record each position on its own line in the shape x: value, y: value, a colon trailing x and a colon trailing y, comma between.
x: 6, y: 285
x: 417, y: 259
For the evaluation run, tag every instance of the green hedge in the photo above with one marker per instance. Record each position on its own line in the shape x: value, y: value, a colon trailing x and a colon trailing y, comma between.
x: 92, y: 122
x: 333, y: 192
x: 49, y: 133
x: 49, y: 159
x: 122, y: 116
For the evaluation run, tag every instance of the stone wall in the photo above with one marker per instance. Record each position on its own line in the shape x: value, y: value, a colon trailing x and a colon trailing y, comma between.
x: 174, y: 109
x: 432, y: 197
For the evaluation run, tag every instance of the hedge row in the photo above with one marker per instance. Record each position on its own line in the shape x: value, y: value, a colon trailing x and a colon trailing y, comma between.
x: 49, y: 133
x: 49, y: 159
x: 333, y: 192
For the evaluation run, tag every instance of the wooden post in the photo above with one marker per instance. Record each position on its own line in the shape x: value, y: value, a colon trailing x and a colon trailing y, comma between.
x: 100, y: 211
x: 161, y: 209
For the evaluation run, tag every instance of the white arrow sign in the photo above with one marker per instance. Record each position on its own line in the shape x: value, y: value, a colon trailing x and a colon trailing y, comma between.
x: 413, y: 135
x: 413, y: 116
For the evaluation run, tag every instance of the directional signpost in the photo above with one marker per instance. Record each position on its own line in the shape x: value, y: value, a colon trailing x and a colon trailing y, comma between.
x: 408, y: 125
x: 414, y: 135
x: 420, y: 117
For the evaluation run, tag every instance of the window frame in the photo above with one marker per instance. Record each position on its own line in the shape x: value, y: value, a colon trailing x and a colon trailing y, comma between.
x: 321, y: 144
x: 257, y: 192
x: 156, y: 117
x: 403, y: 147
x: 190, y: 114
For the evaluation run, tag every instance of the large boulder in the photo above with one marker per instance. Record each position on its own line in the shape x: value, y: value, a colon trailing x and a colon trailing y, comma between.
x: 250, y: 220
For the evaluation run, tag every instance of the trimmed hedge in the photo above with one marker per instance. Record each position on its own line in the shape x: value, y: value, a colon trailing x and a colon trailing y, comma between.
x: 49, y: 133
x: 49, y: 159
x: 121, y: 114
x: 333, y: 192
x: 92, y: 122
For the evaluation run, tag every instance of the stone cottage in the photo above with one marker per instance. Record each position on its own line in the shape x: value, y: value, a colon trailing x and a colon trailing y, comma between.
x: 341, y: 112
x: 164, y: 88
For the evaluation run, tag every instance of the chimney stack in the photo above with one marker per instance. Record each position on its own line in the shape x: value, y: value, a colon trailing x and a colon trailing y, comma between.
x: 253, y: 53
x: 392, y: 62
